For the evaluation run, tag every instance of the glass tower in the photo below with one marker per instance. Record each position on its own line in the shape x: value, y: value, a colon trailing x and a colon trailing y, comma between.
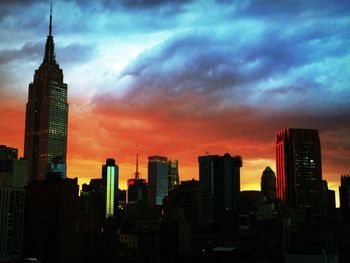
x: 157, y: 179
x: 299, y: 174
x: 110, y: 186
x: 46, y: 115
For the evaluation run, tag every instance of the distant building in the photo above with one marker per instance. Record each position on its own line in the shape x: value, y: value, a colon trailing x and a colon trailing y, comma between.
x: 93, y: 220
x: 173, y: 174
x: 58, y: 167
x: 7, y: 155
x: 137, y: 191
x: 137, y: 187
x: 219, y: 178
x: 110, y: 179
x: 52, y: 220
x: 328, y: 198
x: 299, y: 174
x: 268, y: 184
x: 157, y: 179
x: 186, y: 197
x: 46, y: 115
x: 13, y: 178
x: 344, y: 197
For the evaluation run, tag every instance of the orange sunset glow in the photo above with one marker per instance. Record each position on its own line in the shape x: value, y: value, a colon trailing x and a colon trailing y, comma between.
x: 185, y: 85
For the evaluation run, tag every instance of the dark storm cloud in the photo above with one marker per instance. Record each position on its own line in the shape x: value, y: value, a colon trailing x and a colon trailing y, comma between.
x: 29, y: 51
x: 295, y: 7
x: 211, y: 62
x: 71, y: 54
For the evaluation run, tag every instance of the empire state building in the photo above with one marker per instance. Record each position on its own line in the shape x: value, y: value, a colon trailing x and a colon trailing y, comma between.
x: 45, y: 136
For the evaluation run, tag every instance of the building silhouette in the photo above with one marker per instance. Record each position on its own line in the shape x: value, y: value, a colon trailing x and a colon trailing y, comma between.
x: 344, y: 197
x: 52, y: 220
x: 13, y: 179
x: 173, y: 174
x: 268, y: 184
x: 219, y: 178
x: 46, y: 114
x: 137, y: 187
x: 328, y: 198
x: 110, y: 179
x: 157, y: 179
x: 299, y: 174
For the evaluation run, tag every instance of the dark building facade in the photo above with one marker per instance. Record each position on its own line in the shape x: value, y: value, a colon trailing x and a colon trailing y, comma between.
x: 173, y: 174
x: 7, y: 155
x: 328, y: 198
x: 344, y: 197
x: 46, y: 115
x: 52, y: 220
x: 13, y: 178
x: 219, y: 178
x: 299, y: 173
x: 268, y: 184
x: 185, y: 197
x: 157, y: 179
x: 110, y: 178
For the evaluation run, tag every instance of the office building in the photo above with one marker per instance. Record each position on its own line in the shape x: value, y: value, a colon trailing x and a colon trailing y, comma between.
x: 46, y: 115
x: 173, y: 174
x: 299, y: 174
x: 157, y: 179
x: 219, y: 178
x: 268, y: 184
x: 110, y: 172
x: 13, y: 178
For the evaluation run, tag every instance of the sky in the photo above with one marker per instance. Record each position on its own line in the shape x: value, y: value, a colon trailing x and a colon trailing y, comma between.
x: 183, y: 79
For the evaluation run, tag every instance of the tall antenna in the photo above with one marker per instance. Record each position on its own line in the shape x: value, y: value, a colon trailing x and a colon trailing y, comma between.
x: 137, y: 174
x: 50, y: 29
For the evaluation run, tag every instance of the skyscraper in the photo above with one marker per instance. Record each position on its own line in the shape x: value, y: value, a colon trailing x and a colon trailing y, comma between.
x: 299, y: 174
x: 110, y: 186
x: 173, y: 174
x: 268, y: 184
x: 157, y: 179
x: 46, y: 115
x: 219, y: 178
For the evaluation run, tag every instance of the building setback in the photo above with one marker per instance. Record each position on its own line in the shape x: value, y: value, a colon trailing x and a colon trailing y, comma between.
x: 45, y: 135
x: 299, y: 174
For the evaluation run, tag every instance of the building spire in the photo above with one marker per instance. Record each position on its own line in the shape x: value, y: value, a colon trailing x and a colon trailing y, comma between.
x: 50, y: 28
x: 137, y: 174
x: 49, y: 56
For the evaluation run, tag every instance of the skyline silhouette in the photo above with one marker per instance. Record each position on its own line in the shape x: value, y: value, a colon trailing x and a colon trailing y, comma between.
x: 184, y: 79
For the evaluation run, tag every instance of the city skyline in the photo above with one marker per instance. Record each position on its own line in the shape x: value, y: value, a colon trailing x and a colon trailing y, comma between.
x: 186, y: 85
